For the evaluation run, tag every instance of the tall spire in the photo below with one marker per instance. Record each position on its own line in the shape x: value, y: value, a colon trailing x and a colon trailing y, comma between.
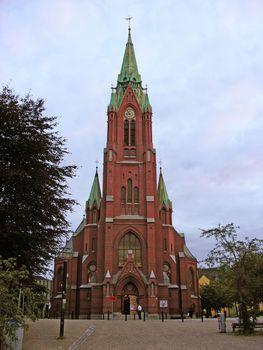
x: 129, y: 75
x: 95, y: 194
x: 162, y: 192
x: 129, y: 70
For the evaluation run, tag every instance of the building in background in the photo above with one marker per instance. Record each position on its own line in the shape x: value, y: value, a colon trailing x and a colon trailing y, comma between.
x: 47, y: 283
x: 126, y: 250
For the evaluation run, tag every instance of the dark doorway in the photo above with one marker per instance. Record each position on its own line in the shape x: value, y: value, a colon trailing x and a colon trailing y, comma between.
x: 129, y: 299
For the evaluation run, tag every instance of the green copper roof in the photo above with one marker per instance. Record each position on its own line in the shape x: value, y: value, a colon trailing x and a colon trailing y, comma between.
x: 95, y: 194
x: 80, y: 227
x: 129, y: 75
x: 68, y: 246
x: 162, y: 193
x: 146, y: 103
x: 129, y: 69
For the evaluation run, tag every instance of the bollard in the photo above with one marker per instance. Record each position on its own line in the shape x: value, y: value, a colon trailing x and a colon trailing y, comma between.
x: 108, y: 315
x: 222, y: 323
x: 144, y: 316
x: 182, y: 316
x: 125, y: 317
x: 134, y: 316
x: 162, y: 317
x: 103, y: 316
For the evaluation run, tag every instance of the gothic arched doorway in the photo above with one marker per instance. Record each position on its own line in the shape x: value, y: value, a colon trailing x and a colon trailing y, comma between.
x: 129, y: 298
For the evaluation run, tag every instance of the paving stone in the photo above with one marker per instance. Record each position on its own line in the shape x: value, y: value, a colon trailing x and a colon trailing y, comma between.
x: 149, y: 335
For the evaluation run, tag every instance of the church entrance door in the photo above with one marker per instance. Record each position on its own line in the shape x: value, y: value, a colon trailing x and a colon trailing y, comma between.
x: 129, y: 299
x: 133, y: 304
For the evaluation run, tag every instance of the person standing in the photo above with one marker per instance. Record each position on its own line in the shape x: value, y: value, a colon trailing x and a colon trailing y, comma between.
x: 139, y: 310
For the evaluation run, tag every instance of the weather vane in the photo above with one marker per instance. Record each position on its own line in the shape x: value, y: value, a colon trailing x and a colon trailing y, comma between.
x: 129, y: 19
x: 160, y: 162
x: 97, y: 163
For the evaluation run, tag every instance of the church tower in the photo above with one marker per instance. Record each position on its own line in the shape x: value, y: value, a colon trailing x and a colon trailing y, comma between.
x: 126, y: 250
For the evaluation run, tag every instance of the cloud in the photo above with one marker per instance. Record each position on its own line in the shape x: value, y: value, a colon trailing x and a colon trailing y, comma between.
x: 235, y: 111
x: 202, y: 62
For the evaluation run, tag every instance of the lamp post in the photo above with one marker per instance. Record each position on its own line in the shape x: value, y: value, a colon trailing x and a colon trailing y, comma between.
x: 63, y: 300
x: 180, y: 289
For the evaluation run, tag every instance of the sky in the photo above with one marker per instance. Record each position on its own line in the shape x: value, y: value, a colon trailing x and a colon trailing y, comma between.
x: 202, y: 63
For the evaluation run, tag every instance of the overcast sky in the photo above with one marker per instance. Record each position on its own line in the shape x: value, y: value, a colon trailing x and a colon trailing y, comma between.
x: 202, y: 61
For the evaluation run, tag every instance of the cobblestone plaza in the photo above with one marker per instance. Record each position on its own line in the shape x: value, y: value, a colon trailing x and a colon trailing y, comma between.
x: 154, y: 334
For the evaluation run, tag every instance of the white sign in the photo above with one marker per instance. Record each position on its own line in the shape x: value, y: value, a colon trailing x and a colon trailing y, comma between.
x: 163, y: 303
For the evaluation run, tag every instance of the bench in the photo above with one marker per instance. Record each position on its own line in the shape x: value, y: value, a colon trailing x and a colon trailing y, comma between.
x: 237, y: 325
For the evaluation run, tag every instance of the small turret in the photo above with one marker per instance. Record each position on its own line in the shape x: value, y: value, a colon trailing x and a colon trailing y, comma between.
x: 93, y: 203
x: 165, y: 205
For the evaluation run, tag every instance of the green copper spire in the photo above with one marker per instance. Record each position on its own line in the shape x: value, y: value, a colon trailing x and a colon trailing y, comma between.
x: 129, y: 75
x: 162, y: 193
x: 95, y: 194
x: 129, y: 69
x: 145, y: 102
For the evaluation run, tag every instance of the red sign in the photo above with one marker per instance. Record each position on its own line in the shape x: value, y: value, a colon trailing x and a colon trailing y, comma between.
x: 113, y: 298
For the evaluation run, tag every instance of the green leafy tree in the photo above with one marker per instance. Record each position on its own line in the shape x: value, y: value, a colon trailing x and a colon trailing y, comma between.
x: 241, y: 265
x: 208, y: 299
x: 215, y: 295
x: 20, y: 298
x: 34, y: 198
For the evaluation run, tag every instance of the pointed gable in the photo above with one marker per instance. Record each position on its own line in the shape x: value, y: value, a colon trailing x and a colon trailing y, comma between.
x: 95, y: 193
x: 130, y: 269
x: 162, y: 192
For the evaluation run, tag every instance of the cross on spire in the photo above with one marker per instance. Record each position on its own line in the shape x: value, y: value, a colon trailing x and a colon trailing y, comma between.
x: 129, y: 19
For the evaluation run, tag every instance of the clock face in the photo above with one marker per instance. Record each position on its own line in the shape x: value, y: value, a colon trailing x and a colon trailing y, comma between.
x: 129, y: 113
x: 92, y: 268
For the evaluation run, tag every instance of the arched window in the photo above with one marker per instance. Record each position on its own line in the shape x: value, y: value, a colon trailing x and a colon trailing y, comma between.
x: 129, y: 127
x: 129, y: 191
x: 94, y: 216
x: 129, y: 242
x: 123, y: 195
x: 126, y: 132
x: 132, y: 126
x: 93, y: 244
x: 163, y: 216
x: 107, y: 289
x: 166, y: 273
x: 92, y: 273
x: 136, y: 195
x: 165, y: 244
x: 191, y: 280
x: 152, y: 289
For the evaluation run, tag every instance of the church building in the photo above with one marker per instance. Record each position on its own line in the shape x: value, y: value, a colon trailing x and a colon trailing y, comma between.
x: 125, y: 251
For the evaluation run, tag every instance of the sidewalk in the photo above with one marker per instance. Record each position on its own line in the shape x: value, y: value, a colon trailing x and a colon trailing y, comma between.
x: 119, y: 335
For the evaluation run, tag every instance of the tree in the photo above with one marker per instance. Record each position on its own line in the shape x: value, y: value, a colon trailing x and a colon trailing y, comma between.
x: 34, y: 200
x: 241, y: 264
x: 215, y: 295
x: 20, y: 298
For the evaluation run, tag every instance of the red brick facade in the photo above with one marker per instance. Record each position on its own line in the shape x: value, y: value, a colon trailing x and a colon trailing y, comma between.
x: 126, y: 245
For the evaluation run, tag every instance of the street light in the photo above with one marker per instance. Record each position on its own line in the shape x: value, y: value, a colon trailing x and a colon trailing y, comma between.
x: 63, y: 300
x: 180, y: 289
